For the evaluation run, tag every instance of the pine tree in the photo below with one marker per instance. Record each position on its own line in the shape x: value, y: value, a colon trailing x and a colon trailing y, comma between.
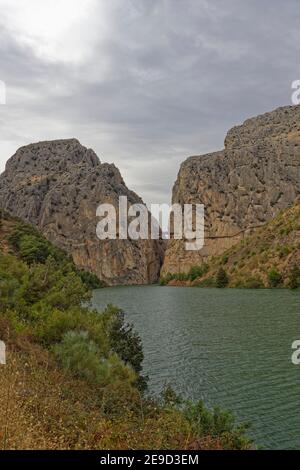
x: 221, y: 278
x: 294, y: 281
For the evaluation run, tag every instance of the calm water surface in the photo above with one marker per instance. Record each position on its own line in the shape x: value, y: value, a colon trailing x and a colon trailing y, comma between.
x: 229, y: 347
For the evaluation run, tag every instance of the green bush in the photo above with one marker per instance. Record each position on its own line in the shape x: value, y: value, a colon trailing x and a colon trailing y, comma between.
x: 181, y: 276
x: 169, y: 397
x: 197, y: 271
x: 274, y: 277
x: 126, y: 343
x: 48, y: 301
x: 51, y: 329
x: 253, y: 283
x: 221, y: 278
x: 32, y: 247
x: 21, y: 230
x: 90, y: 279
x: 216, y: 423
x: 294, y: 278
x: 79, y: 354
x: 208, y: 282
x: 284, y: 251
x: 164, y: 280
x: 225, y: 259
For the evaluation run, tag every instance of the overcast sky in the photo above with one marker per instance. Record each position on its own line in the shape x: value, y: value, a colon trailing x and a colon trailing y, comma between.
x: 145, y: 83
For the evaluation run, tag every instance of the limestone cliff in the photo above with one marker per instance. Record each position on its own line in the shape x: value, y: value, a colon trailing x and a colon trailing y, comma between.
x: 58, y: 186
x: 243, y: 186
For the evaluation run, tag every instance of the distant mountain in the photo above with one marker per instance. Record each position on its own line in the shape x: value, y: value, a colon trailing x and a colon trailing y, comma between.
x: 57, y: 186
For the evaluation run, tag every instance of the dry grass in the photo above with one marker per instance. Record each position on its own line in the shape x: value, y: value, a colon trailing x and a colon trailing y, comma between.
x: 276, y: 245
x: 43, y: 408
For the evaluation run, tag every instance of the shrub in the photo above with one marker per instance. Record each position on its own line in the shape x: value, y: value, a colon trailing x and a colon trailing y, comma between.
x: 253, y: 283
x: 164, y: 280
x: 294, y: 278
x: 90, y: 279
x: 33, y: 249
x: 221, y: 278
x: 19, y: 232
x: 208, y: 282
x: 284, y: 251
x: 126, y: 343
x: 170, y: 397
x: 225, y: 259
x: 274, y: 277
x: 51, y: 329
x: 181, y: 277
x: 197, y: 271
x: 80, y: 355
x: 216, y: 423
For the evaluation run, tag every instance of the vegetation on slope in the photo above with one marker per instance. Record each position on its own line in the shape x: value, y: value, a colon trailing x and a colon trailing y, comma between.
x: 73, y: 375
x: 270, y: 257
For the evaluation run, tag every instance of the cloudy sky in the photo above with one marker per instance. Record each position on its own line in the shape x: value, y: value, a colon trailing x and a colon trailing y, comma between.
x: 145, y: 83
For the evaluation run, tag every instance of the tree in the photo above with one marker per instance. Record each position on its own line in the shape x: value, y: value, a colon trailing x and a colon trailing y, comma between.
x: 275, y: 278
x: 33, y: 249
x: 294, y: 280
x: 126, y: 343
x: 221, y: 278
x: 197, y: 271
x: 79, y: 354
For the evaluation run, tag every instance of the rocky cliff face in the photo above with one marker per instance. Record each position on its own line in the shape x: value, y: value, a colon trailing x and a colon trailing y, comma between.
x: 243, y: 186
x: 58, y: 186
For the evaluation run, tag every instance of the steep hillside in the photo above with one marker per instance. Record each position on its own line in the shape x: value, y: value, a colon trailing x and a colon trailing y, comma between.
x: 270, y: 257
x: 242, y: 187
x: 72, y: 378
x: 57, y: 186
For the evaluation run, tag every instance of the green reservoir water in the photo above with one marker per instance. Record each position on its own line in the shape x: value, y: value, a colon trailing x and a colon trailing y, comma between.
x: 229, y: 347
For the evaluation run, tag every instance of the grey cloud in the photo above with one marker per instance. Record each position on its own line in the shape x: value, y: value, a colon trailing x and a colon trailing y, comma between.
x: 178, y: 75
